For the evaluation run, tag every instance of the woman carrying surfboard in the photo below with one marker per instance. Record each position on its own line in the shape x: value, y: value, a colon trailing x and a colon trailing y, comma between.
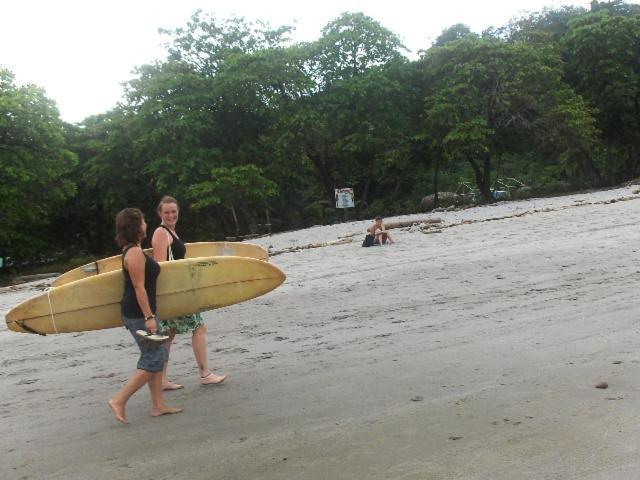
x: 167, y: 245
x: 138, y: 308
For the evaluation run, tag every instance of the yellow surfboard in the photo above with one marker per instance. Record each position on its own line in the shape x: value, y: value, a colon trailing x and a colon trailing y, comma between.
x: 184, y: 287
x: 194, y: 250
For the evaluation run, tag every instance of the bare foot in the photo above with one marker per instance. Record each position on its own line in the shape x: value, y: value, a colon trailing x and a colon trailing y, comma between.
x: 212, y: 379
x: 156, y: 412
x: 171, y: 386
x: 118, y: 411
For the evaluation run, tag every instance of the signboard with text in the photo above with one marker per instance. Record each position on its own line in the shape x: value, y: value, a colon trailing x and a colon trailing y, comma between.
x: 345, y: 198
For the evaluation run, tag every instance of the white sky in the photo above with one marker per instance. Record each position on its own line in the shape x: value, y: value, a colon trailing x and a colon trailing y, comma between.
x: 80, y: 51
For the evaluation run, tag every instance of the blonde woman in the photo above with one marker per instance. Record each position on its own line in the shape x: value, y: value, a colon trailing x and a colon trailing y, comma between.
x: 167, y: 245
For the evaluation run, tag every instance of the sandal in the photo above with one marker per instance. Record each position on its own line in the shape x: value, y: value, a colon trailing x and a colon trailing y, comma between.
x: 154, y: 337
x: 203, y: 380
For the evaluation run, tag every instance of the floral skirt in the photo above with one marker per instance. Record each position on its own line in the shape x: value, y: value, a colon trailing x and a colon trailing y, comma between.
x: 185, y: 324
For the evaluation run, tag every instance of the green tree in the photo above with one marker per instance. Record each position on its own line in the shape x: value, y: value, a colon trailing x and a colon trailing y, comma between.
x: 171, y: 116
x: 34, y: 167
x: 235, y: 187
x: 210, y: 103
x: 350, y: 130
x: 544, y: 28
x: 451, y: 34
x: 206, y: 42
x: 603, y: 66
x: 351, y: 45
x: 492, y: 97
x: 109, y: 177
x: 615, y: 7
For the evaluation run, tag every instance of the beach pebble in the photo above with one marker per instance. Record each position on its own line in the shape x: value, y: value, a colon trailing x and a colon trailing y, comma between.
x: 602, y: 385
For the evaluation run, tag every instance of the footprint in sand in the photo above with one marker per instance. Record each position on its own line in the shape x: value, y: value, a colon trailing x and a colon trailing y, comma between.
x: 27, y: 381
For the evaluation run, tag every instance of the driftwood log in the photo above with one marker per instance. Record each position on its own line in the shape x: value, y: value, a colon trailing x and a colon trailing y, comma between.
x: 273, y: 253
x: 402, y: 224
x: 408, y: 223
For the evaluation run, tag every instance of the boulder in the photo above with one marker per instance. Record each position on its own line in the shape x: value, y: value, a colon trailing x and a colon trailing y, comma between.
x: 445, y: 199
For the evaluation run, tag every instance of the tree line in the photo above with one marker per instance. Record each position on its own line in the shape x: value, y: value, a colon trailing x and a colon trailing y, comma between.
x: 253, y: 133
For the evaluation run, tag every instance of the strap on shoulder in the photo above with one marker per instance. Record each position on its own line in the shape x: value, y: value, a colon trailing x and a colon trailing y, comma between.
x: 124, y: 252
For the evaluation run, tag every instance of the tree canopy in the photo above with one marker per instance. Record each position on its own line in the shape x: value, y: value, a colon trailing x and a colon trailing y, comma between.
x: 34, y: 168
x: 246, y: 128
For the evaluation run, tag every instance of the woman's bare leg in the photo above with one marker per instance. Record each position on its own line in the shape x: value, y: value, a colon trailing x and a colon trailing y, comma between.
x: 166, y: 384
x: 158, y: 407
x: 199, y: 345
x: 119, y: 401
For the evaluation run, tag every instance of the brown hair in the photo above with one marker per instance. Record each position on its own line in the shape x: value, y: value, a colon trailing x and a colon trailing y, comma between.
x: 128, y: 223
x: 166, y: 199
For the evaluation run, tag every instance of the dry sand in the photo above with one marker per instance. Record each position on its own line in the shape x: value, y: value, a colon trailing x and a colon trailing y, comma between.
x: 466, y: 354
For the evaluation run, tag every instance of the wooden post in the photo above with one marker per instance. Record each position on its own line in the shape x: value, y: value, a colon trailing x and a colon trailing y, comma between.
x: 266, y: 213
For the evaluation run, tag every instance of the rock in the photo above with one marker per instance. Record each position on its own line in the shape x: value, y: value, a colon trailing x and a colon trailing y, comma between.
x: 445, y: 199
x: 602, y: 385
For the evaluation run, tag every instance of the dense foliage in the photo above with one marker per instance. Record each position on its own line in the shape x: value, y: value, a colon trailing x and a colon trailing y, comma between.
x: 253, y: 133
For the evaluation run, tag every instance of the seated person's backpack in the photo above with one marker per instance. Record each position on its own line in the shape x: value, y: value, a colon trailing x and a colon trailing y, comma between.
x: 368, y: 240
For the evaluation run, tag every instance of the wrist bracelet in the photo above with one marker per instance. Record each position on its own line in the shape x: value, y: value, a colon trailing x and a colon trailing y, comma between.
x: 150, y: 317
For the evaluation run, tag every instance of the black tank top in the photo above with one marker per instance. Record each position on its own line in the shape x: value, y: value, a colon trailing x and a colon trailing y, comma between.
x: 177, y: 246
x: 129, y: 304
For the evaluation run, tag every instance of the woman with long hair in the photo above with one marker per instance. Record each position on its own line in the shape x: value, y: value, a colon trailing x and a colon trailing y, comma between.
x: 167, y: 245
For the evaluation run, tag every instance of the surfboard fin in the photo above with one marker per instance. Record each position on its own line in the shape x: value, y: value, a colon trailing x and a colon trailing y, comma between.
x: 30, y: 330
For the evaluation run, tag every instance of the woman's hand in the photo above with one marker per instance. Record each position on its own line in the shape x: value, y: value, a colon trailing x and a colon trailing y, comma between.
x: 150, y: 325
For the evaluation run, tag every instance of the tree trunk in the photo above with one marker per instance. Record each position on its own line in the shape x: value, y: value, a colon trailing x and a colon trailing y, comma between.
x: 226, y: 225
x: 365, y: 191
x: 98, y: 243
x: 610, y: 165
x: 324, y: 176
x: 235, y: 219
x: 268, y: 219
x: 483, y: 178
x: 253, y: 225
x: 396, y: 189
x: 486, y: 181
x: 592, y: 167
x: 435, y: 183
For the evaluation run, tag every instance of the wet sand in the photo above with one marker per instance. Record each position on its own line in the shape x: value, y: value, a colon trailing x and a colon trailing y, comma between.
x: 466, y: 354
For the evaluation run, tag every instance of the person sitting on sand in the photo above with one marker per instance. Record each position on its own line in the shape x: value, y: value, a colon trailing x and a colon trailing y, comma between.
x: 377, y: 234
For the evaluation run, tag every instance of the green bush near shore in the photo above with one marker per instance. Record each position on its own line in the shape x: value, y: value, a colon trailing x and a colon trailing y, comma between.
x: 9, y: 276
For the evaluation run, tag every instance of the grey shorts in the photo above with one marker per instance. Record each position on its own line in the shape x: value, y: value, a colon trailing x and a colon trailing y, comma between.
x: 153, y: 355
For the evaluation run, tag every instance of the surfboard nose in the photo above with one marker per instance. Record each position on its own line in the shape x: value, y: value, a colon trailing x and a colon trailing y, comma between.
x: 11, y: 318
x: 281, y: 274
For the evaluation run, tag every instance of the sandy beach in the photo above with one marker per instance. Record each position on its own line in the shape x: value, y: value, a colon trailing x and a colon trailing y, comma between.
x: 469, y: 351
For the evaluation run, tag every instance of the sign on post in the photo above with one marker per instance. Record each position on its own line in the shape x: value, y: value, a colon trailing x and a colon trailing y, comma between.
x: 345, y: 198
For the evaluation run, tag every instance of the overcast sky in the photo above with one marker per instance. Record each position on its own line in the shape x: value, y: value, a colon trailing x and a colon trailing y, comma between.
x: 80, y: 51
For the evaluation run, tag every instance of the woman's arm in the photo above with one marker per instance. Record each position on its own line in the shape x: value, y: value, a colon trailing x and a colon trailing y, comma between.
x: 160, y: 244
x: 135, y: 263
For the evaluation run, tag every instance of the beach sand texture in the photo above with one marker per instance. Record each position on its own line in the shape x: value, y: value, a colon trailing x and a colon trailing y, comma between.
x: 472, y: 353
